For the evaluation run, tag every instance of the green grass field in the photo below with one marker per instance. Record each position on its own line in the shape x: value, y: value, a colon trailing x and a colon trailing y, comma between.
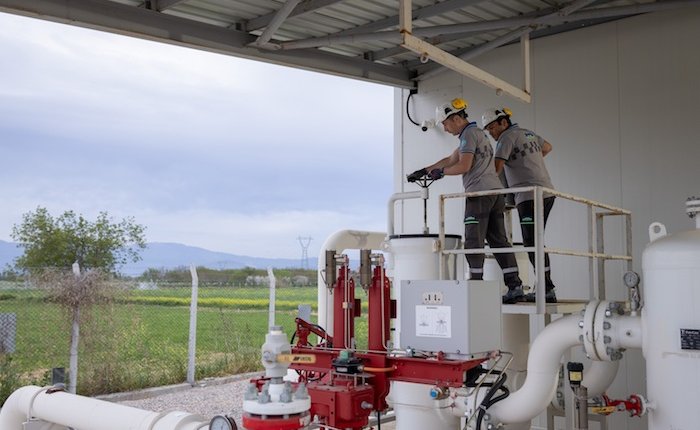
x: 141, y: 339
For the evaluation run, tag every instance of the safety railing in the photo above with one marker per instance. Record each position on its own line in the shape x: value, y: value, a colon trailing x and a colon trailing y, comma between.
x: 596, y: 255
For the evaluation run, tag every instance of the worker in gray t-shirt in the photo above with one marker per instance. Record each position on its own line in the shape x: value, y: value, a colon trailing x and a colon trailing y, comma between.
x: 521, y: 153
x: 483, y: 215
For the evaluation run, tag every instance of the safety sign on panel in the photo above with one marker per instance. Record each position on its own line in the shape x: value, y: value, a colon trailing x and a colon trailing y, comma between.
x: 433, y: 321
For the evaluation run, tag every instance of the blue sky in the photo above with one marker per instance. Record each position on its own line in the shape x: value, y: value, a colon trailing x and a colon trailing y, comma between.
x: 204, y: 149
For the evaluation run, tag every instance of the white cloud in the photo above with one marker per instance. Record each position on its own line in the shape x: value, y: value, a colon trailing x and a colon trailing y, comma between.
x: 204, y: 149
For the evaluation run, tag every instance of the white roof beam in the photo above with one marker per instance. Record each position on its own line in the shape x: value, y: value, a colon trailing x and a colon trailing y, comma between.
x: 304, y: 7
x: 462, y: 67
x: 478, y: 50
x: 597, y: 13
x: 317, y: 42
x: 418, y: 14
x: 508, y: 37
x: 452, y: 62
x: 368, y: 32
x: 161, y: 5
x: 551, y: 16
x: 276, y: 22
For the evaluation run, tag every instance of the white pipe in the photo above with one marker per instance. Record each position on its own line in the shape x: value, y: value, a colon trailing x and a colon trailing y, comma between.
x: 85, y: 413
x: 627, y: 332
x: 422, y: 194
x: 599, y: 376
x: 340, y: 241
x: 542, y: 373
x: 273, y: 291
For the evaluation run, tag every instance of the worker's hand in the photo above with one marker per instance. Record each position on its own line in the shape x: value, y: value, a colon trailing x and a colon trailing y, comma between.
x: 413, y: 177
x: 436, y: 174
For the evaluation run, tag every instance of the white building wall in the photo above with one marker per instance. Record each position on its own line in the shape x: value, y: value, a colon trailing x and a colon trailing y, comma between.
x: 619, y: 103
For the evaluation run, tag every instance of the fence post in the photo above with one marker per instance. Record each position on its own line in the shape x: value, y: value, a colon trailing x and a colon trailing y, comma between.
x: 192, y: 345
x: 74, y: 336
x: 271, y: 311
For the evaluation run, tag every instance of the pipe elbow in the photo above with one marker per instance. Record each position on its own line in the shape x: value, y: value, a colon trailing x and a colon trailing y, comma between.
x: 542, y: 373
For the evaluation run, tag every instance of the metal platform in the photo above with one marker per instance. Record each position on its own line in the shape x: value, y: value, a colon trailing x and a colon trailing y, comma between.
x: 560, y: 308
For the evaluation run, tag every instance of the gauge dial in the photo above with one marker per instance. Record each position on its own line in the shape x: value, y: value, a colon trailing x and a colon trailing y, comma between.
x: 631, y: 279
x: 222, y: 422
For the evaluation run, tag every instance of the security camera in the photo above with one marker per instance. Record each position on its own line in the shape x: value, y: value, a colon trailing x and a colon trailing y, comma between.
x: 428, y: 123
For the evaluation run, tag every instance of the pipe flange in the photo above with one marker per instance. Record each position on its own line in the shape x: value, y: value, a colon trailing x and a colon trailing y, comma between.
x: 602, y: 340
x: 606, y: 342
x: 587, y: 330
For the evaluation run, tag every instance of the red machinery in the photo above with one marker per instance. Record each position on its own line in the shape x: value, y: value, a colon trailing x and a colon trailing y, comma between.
x: 346, y: 385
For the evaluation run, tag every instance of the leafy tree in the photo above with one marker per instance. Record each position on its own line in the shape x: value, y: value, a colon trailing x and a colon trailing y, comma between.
x: 70, y: 238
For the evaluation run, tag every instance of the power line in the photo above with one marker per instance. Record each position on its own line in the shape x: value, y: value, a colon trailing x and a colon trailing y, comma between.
x: 304, y: 242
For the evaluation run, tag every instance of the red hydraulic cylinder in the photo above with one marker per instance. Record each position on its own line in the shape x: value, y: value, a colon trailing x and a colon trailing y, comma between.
x: 379, y: 311
x: 344, y: 309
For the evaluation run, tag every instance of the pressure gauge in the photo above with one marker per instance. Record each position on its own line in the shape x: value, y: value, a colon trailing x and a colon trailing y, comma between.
x: 222, y: 422
x: 631, y: 279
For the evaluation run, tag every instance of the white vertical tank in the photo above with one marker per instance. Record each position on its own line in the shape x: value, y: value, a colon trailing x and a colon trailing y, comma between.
x: 671, y: 327
x: 416, y: 257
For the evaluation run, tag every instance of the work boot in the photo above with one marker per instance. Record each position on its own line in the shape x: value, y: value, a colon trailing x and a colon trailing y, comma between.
x: 550, y: 297
x: 514, y: 295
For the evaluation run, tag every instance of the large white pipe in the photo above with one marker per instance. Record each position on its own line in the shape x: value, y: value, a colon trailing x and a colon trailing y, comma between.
x: 542, y: 373
x: 599, y: 376
x: 340, y: 241
x: 85, y: 413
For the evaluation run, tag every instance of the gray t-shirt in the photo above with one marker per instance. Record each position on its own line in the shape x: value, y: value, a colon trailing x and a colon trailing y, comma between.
x: 521, y: 149
x: 482, y: 175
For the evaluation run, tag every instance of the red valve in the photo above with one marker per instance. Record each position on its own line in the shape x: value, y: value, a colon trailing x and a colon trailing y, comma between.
x: 635, y: 404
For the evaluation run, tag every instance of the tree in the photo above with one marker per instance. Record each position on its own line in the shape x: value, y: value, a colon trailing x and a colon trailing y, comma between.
x: 70, y: 238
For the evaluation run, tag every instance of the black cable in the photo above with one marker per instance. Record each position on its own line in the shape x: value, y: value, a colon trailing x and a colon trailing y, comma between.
x: 379, y: 420
x: 408, y: 114
x: 487, y: 401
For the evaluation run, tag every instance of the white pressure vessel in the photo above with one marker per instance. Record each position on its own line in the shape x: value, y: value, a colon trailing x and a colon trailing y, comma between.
x: 671, y: 328
x: 416, y: 257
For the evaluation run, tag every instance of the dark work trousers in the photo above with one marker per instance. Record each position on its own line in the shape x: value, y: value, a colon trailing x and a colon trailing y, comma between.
x: 526, y: 211
x: 483, y: 220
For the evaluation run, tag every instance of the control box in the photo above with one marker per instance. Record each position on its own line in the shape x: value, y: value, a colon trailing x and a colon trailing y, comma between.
x: 455, y: 316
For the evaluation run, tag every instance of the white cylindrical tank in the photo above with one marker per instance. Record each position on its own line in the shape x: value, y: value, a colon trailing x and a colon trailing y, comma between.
x: 671, y: 328
x: 415, y: 409
x: 416, y: 257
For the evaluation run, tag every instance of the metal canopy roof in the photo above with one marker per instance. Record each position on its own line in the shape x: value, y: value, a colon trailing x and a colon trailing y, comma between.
x: 353, y: 38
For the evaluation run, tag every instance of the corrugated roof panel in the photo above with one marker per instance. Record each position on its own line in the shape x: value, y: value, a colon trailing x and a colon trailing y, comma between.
x: 354, y: 16
x: 317, y: 23
x: 333, y: 18
x: 240, y: 9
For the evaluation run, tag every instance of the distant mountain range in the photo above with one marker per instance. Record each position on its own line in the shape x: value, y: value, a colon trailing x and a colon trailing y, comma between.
x: 159, y: 255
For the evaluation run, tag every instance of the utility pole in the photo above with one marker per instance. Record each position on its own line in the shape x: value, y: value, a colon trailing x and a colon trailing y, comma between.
x: 304, y: 242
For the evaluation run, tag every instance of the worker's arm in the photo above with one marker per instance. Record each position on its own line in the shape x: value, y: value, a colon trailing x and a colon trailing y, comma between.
x: 446, y: 162
x: 463, y: 164
x: 546, y: 148
x: 499, y: 163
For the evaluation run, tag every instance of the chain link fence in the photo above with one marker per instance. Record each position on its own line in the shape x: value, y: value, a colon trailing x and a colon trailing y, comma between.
x: 135, y: 332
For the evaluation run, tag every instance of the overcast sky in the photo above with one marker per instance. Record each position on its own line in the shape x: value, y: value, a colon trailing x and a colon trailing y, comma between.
x: 203, y: 149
